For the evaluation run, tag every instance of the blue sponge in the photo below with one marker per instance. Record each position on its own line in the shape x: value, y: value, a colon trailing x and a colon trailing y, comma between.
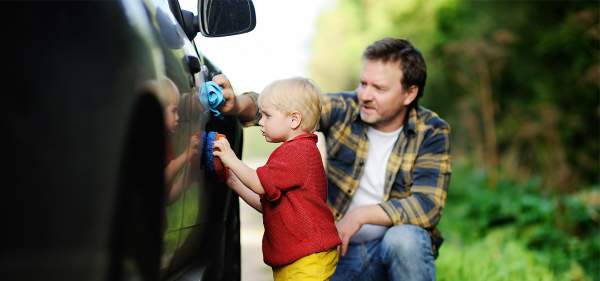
x: 213, y: 165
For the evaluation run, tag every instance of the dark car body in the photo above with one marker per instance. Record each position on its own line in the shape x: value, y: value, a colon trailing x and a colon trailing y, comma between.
x: 86, y: 144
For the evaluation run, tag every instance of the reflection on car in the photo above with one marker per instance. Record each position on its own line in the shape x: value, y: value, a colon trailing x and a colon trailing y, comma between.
x: 104, y: 134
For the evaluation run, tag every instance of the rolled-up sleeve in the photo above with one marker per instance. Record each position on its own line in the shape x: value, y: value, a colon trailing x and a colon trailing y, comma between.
x: 431, y: 176
x: 254, y: 97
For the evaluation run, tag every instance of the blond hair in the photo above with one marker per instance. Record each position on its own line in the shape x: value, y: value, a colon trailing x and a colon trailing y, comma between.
x: 295, y: 94
x: 164, y: 88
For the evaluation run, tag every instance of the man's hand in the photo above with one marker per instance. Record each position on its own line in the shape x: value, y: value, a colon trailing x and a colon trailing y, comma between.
x: 243, y: 106
x: 355, y: 219
x: 347, y: 227
x: 230, y: 104
x: 222, y: 149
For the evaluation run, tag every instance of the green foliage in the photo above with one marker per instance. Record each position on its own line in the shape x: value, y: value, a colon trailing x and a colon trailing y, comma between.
x: 541, y: 67
x: 497, y: 257
x: 558, y: 232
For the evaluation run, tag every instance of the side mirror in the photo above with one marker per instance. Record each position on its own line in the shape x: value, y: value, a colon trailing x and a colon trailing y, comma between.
x: 226, y: 17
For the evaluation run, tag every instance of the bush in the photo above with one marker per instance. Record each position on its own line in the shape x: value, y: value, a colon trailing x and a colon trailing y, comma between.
x: 496, y: 257
x: 559, y: 230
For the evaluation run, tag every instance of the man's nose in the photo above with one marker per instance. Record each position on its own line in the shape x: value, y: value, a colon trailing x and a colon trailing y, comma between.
x: 365, y: 94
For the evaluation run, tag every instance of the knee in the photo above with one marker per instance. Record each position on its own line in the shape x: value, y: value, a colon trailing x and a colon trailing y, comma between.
x: 405, y: 240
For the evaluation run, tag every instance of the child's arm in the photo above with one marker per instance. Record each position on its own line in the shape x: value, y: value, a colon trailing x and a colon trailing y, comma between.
x: 247, y: 175
x: 244, y: 192
x: 188, y: 176
x: 176, y: 164
x: 175, y: 189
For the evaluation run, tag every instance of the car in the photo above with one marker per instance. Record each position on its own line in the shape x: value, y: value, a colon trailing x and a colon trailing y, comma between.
x: 87, y: 146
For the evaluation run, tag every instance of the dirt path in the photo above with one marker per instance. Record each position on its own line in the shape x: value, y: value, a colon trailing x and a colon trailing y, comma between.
x: 253, y: 267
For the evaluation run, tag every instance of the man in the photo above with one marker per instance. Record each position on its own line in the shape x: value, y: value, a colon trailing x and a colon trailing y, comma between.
x: 388, y: 165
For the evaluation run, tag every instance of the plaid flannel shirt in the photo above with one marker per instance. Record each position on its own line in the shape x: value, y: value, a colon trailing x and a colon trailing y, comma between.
x: 417, y: 173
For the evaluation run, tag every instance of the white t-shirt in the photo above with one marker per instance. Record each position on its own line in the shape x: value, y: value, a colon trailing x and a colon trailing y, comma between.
x: 370, y: 188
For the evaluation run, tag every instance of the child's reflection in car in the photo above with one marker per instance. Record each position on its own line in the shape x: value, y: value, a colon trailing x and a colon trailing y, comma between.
x: 174, y: 165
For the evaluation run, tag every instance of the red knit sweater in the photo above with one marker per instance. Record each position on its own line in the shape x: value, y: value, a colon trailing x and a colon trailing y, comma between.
x: 295, y: 214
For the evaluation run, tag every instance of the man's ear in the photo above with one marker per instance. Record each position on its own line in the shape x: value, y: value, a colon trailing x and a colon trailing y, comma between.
x: 411, y: 95
x: 296, y: 120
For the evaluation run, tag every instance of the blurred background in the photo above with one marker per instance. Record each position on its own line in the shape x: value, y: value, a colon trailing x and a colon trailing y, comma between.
x: 518, y: 81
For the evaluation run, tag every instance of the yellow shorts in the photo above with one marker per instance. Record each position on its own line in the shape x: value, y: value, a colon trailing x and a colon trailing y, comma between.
x: 315, y: 267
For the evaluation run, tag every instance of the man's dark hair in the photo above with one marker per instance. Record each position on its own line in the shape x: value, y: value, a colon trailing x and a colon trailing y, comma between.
x: 412, y: 64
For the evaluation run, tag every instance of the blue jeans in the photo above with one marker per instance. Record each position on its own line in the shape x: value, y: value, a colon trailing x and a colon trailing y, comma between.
x: 404, y: 253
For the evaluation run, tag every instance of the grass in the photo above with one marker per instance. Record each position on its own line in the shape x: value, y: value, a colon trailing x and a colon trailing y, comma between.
x: 496, y: 257
x: 516, y: 232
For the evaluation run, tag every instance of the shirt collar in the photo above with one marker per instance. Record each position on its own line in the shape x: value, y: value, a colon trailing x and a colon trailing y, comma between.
x: 304, y: 136
x: 410, y: 123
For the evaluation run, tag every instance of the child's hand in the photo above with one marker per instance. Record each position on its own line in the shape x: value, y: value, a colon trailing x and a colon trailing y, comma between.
x: 192, y: 149
x: 222, y: 149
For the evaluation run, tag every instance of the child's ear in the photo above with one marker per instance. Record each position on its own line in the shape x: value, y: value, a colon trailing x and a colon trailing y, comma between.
x: 295, y: 120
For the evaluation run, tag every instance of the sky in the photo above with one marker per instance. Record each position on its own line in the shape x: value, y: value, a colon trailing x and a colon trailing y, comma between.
x: 279, y: 46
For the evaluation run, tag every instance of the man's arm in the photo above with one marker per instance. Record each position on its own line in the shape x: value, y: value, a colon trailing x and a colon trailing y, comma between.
x: 431, y: 176
x: 353, y: 220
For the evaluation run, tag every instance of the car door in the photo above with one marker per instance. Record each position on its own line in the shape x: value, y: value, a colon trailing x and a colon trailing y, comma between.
x: 179, y: 54
x: 201, y: 233
x: 201, y: 215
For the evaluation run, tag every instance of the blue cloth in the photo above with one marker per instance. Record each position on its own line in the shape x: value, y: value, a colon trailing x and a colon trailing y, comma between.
x: 404, y: 253
x: 211, y: 97
x: 207, y: 156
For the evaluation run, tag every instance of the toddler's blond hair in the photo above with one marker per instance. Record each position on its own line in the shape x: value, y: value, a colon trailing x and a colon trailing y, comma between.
x: 295, y: 94
x: 164, y: 88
